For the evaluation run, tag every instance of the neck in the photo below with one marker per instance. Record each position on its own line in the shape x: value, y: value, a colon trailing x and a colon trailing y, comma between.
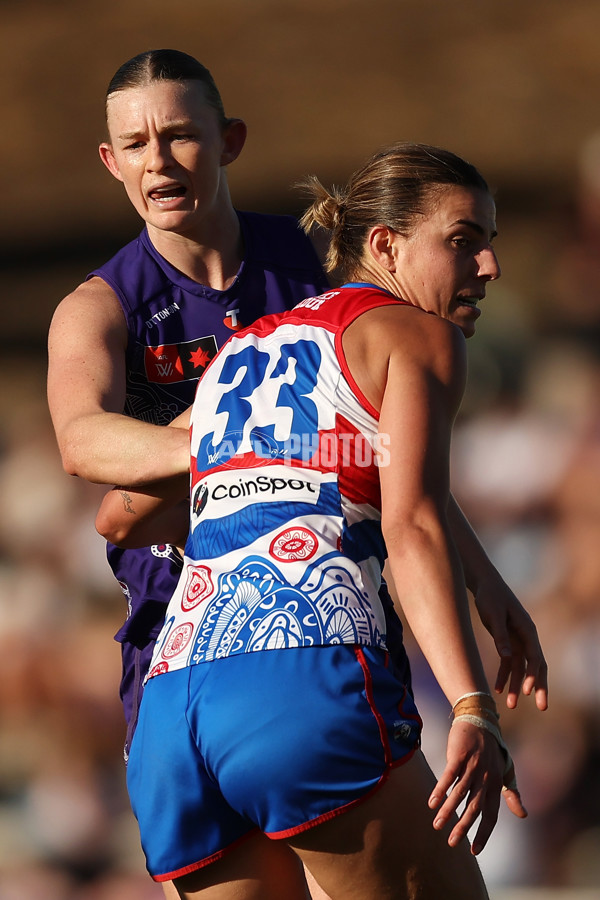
x: 377, y: 275
x: 211, y: 256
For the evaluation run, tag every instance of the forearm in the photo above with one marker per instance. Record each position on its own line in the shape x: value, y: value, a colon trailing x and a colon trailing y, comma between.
x: 159, y: 514
x: 476, y: 564
x: 485, y: 582
x: 431, y: 590
x: 110, y: 448
x: 522, y: 663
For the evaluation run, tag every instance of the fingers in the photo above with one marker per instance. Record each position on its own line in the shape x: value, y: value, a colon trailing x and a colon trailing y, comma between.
x: 489, y: 817
x: 539, y: 683
x: 454, y: 794
x: 517, y: 675
x: 504, y: 670
x: 511, y: 670
x: 481, y: 800
x: 445, y: 782
x: 512, y: 798
x: 524, y: 670
x: 535, y: 681
x: 541, y: 698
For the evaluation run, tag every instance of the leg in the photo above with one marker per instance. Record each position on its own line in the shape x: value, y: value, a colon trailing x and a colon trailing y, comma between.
x: 386, y: 848
x: 316, y: 892
x: 259, y: 869
x: 170, y: 891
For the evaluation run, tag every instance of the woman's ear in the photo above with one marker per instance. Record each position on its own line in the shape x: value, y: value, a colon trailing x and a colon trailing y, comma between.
x: 234, y: 138
x: 380, y: 241
x: 108, y: 158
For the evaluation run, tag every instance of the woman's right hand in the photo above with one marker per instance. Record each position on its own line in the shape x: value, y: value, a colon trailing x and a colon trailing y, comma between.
x: 474, y: 772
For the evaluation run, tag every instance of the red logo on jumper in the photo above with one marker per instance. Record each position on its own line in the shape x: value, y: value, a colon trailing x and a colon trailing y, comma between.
x: 294, y: 544
x: 199, y: 586
x: 158, y: 669
x: 169, y: 363
x: 232, y: 321
x: 178, y: 640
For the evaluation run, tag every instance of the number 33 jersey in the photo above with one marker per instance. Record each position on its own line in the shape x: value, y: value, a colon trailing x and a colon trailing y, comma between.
x: 285, y: 546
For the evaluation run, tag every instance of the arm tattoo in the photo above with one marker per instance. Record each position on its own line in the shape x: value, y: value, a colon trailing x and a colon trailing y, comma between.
x: 127, y: 503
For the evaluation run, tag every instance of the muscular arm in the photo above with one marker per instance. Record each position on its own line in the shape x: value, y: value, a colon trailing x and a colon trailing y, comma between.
x: 150, y: 514
x: 86, y: 395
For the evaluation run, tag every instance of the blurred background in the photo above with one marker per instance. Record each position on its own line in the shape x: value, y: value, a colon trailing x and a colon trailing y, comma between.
x: 514, y: 87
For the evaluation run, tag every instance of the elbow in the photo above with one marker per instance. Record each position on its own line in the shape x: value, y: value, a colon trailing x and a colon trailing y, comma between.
x: 78, y: 452
x: 114, y: 531
x: 419, y: 526
x: 71, y: 455
x: 68, y: 456
x: 400, y: 536
x: 71, y: 465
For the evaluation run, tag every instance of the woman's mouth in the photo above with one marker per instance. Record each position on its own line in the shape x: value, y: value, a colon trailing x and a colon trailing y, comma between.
x: 468, y: 301
x: 167, y: 193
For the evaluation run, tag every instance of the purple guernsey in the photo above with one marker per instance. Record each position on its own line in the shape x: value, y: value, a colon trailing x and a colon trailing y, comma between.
x: 175, y: 327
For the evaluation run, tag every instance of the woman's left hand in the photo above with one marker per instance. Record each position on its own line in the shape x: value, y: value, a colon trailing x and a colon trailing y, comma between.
x: 522, y: 663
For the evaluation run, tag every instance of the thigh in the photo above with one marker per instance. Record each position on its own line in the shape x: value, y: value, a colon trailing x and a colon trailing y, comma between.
x: 387, y: 849
x: 315, y: 890
x: 259, y: 869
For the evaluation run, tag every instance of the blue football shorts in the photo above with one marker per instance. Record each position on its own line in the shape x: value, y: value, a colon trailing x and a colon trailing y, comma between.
x: 277, y: 740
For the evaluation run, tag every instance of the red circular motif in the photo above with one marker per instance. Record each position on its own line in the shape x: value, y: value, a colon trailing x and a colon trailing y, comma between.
x: 198, y: 587
x: 178, y: 640
x: 293, y: 545
x: 158, y: 669
x: 161, y: 550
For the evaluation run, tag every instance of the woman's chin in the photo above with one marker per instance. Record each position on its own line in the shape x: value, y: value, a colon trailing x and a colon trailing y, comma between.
x: 466, y: 318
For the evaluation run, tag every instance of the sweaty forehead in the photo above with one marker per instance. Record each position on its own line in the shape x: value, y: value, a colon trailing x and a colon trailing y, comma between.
x: 161, y: 101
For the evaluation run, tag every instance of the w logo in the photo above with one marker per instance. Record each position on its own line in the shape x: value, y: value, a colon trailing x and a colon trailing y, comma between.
x: 164, y: 369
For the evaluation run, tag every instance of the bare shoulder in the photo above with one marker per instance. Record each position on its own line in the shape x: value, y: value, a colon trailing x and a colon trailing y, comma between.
x: 92, y: 309
x: 87, y: 344
x: 406, y: 339
x: 410, y: 327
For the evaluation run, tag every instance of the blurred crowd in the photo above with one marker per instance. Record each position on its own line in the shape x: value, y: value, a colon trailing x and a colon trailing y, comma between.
x: 526, y: 469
